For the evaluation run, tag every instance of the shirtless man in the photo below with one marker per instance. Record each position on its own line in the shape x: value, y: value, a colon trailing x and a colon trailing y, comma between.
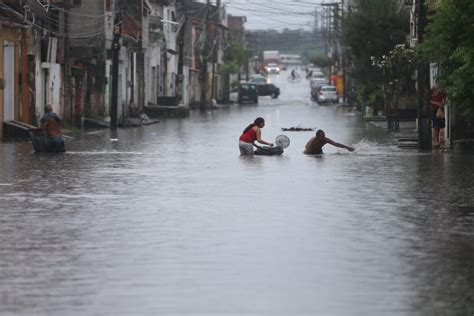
x: 315, y: 144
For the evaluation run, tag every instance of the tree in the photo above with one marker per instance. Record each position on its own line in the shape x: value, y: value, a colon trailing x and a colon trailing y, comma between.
x: 397, y: 70
x: 372, y: 31
x: 450, y: 44
x: 322, y: 61
x: 237, y: 57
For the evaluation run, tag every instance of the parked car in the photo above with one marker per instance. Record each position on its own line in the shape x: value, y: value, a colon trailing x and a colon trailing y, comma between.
x: 268, y: 89
x: 318, y: 82
x: 272, y: 68
x: 313, y: 69
x: 315, y: 91
x: 327, y: 94
x: 257, y: 79
x: 247, y: 93
x: 317, y: 74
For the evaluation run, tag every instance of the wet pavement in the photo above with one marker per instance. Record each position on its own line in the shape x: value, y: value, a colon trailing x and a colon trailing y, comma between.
x: 170, y: 220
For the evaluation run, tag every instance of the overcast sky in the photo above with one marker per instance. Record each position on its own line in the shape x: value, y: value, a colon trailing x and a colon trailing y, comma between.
x: 277, y: 14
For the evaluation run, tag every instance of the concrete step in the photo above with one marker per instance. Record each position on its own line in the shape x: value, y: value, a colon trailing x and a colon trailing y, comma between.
x: 17, y: 130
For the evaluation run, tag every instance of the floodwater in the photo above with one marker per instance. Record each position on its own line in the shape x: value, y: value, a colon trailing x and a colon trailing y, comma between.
x: 170, y: 220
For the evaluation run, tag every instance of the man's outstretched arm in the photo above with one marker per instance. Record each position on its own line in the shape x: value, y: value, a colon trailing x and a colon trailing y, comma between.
x: 339, y: 145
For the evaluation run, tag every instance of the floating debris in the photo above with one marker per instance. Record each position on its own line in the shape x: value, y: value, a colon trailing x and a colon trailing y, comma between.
x: 297, y: 129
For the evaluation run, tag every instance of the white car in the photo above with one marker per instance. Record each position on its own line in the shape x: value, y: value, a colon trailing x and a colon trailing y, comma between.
x: 273, y: 69
x: 317, y: 74
x: 318, y: 81
x: 314, y: 69
x: 327, y: 94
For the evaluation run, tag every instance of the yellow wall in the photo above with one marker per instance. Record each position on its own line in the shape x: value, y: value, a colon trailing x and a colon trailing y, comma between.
x: 340, y: 85
x: 11, y: 35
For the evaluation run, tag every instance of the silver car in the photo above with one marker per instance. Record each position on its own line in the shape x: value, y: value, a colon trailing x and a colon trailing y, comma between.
x: 258, y: 80
x: 327, y: 94
x: 318, y: 81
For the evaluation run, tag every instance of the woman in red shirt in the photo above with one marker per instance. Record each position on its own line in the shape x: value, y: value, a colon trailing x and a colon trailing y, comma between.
x: 251, y: 134
x: 439, y: 122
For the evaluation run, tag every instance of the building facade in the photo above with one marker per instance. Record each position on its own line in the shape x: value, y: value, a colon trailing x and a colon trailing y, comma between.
x: 59, y: 52
x: 14, y: 102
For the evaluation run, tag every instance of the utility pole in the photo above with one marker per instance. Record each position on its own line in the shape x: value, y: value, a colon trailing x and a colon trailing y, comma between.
x: 337, y: 58
x: 217, y: 20
x: 332, y: 31
x: 343, y: 55
x: 329, y: 37
x: 213, y: 94
x: 205, y: 52
x: 424, y: 107
x: 68, y: 111
x: 115, y: 63
x: 326, y: 30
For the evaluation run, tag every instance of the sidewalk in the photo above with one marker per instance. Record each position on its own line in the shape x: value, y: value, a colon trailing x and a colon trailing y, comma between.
x: 406, y: 136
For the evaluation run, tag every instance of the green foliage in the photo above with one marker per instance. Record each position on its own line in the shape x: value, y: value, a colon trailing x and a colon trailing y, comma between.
x: 372, y: 30
x: 238, y: 56
x: 397, y: 70
x: 450, y: 44
x: 229, y: 67
x: 322, y: 61
x: 239, y: 53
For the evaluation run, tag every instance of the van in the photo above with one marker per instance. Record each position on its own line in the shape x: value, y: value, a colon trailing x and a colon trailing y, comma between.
x: 247, y: 93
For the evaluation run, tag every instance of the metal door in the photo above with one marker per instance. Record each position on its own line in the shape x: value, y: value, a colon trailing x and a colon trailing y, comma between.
x: 9, y: 75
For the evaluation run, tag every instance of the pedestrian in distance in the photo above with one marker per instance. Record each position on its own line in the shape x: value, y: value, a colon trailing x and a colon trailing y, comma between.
x: 437, y: 115
x: 51, y: 124
x: 294, y: 75
x: 315, y: 144
x: 252, y: 133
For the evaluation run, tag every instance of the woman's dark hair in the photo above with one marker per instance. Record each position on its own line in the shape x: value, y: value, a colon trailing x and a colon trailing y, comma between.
x: 258, y: 121
x: 319, y: 132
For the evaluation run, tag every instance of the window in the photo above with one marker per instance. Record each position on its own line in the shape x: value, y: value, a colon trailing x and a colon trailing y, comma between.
x: 77, y: 3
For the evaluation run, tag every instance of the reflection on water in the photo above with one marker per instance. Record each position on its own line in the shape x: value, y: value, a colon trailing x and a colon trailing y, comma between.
x: 169, y: 219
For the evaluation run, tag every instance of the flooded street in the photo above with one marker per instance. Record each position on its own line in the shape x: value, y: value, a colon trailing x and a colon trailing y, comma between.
x: 170, y: 220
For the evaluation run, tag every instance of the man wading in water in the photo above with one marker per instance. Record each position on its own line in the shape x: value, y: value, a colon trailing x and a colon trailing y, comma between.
x: 315, y: 144
x: 51, y: 124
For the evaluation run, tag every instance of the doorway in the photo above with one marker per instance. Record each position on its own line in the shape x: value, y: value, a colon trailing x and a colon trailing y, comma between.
x: 9, y: 75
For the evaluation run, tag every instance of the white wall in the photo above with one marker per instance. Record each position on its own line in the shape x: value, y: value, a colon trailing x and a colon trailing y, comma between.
x: 122, y: 84
x: 186, y: 86
x: 108, y: 86
x: 39, y: 83
x: 152, y: 60
x: 48, y: 85
x: 171, y: 38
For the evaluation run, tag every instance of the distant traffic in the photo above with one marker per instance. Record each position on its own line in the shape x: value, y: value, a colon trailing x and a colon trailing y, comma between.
x: 323, y: 86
